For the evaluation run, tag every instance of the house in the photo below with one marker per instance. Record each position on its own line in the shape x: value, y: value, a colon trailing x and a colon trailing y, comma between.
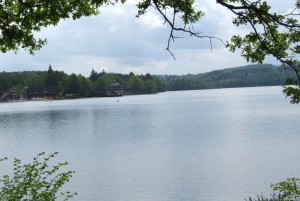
x: 11, y: 94
x: 39, y: 93
x: 16, y: 94
x: 115, y: 89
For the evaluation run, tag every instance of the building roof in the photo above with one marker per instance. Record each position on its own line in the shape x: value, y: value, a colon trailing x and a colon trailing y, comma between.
x: 114, y: 86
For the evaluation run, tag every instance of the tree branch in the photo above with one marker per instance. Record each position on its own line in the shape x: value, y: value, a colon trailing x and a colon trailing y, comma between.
x: 171, y: 23
x: 272, y: 45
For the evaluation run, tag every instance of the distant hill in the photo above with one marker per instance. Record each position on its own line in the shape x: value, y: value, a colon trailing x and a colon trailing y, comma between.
x: 244, y: 76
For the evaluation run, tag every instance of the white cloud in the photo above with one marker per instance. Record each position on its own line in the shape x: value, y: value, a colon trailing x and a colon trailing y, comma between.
x: 151, y: 21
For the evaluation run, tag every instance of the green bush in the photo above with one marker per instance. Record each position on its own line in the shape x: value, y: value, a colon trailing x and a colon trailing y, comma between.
x: 287, y: 190
x: 35, y: 181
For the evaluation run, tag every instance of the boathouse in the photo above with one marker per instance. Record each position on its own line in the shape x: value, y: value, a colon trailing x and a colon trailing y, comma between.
x: 115, y: 89
x: 10, y: 94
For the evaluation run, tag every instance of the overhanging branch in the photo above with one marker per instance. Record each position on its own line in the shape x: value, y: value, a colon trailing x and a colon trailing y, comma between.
x: 171, y: 23
x: 271, y: 24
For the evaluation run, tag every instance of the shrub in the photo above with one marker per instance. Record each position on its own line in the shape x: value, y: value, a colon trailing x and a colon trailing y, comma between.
x: 287, y: 190
x: 35, y: 181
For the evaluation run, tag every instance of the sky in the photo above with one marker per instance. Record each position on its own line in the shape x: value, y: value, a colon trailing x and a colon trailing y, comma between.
x: 116, y: 41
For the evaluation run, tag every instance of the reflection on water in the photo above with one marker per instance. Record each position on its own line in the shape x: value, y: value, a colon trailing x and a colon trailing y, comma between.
x: 206, y: 145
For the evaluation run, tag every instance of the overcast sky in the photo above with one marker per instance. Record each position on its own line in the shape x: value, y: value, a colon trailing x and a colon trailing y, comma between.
x: 117, y: 41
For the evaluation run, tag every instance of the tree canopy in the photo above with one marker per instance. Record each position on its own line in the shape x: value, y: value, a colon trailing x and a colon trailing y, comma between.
x: 62, y: 85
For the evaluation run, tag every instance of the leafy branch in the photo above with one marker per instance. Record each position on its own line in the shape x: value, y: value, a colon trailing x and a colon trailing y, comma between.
x: 36, y: 180
x: 287, y: 190
x: 272, y: 34
x: 170, y: 10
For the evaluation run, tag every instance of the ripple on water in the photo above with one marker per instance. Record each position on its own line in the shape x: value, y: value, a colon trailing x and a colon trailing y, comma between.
x: 195, y: 145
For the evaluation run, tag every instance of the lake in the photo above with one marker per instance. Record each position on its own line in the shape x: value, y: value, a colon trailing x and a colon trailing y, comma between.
x: 208, y: 145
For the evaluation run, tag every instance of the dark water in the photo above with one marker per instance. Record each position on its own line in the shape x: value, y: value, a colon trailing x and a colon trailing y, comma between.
x: 208, y: 145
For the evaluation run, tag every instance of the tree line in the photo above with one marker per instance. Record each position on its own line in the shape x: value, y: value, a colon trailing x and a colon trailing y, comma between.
x: 63, y: 84
x: 245, y: 76
x: 96, y: 84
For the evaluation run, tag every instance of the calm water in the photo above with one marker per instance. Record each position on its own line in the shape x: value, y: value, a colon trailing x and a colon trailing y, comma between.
x: 208, y: 145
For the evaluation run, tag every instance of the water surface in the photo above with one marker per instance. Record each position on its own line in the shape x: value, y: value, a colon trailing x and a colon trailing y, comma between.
x: 209, y: 145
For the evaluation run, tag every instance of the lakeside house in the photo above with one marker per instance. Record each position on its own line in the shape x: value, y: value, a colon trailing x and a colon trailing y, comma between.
x: 39, y: 93
x: 16, y: 94
x: 115, y: 89
x: 11, y: 94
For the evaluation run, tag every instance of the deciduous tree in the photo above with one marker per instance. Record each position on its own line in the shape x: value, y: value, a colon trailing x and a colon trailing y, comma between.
x: 136, y: 84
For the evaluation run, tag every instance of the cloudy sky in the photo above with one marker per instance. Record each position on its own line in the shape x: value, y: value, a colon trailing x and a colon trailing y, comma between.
x: 117, y: 41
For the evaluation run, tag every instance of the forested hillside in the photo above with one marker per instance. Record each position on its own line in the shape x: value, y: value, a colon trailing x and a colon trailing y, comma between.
x: 245, y: 76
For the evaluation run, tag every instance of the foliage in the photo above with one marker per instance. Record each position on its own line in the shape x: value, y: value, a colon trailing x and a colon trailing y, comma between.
x: 185, y: 9
x: 62, y: 84
x: 170, y: 10
x: 102, y: 82
x: 245, y: 76
x: 287, y: 190
x: 292, y: 89
x: 263, y: 198
x: 151, y: 86
x: 94, y: 75
x: 77, y: 85
x: 35, y: 181
x: 19, y: 19
x: 272, y: 33
x: 136, y: 84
